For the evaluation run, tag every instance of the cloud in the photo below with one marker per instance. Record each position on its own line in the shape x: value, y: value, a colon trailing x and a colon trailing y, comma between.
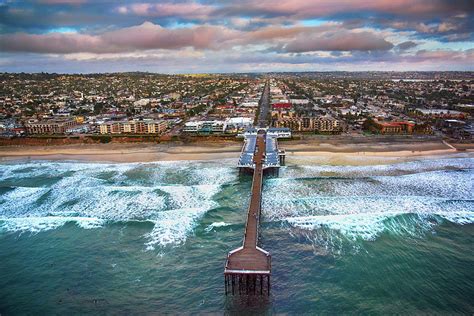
x: 246, y: 34
x: 141, y: 37
x: 452, y: 28
x: 324, y: 8
x: 150, y: 36
x: 63, y: 1
x: 342, y: 40
x: 444, y: 55
x: 183, y: 10
x: 146, y: 36
x: 406, y: 45
x: 60, y: 43
x: 188, y: 61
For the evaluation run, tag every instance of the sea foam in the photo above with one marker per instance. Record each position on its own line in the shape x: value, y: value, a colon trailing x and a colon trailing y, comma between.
x: 364, y: 202
x: 172, y: 195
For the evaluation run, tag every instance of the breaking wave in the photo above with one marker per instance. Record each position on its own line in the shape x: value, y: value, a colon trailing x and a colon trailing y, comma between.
x: 329, y: 204
x: 39, y: 196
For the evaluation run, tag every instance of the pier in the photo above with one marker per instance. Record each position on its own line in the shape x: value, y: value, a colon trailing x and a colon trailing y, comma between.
x: 248, y: 268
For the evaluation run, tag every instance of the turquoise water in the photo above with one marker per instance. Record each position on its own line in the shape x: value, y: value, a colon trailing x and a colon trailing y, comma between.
x: 152, y: 237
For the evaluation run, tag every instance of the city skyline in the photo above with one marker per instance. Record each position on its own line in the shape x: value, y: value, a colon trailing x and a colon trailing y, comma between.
x: 80, y: 36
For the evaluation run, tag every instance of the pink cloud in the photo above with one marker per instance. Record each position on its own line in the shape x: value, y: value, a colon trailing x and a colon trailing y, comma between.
x: 51, y: 43
x: 444, y: 55
x: 63, y: 1
x: 306, y: 9
x: 141, y: 37
x: 152, y: 36
x: 168, y: 9
x: 326, y: 37
x: 341, y: 40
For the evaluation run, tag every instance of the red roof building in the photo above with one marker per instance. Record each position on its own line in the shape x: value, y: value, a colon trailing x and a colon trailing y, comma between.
x: 281, y: 106
x: 395, y: 127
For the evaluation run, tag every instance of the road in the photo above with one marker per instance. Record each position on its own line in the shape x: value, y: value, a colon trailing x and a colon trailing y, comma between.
x: 264, y: 104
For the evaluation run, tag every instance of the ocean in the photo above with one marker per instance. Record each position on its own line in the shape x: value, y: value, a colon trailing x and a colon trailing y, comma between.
x: 134, y: 238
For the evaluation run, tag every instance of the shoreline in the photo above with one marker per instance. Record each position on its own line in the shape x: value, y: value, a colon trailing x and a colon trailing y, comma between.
x: 328, y: 151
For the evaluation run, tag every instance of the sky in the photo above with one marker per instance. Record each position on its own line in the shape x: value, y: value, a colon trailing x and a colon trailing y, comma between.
x: 212, y: 36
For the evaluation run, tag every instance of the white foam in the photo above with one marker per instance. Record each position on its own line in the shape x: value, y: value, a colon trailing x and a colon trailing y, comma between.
x: 366, y: 218
x: 20, y: 201
x: 417, y: 166
x: 216, y: 224
x: 173, y: 227
x: 364, y: 206
x: 115, y: 192
x: 38, y: 224
x: 360, y: 204
x: 366, y: 226
x: 459, y: 217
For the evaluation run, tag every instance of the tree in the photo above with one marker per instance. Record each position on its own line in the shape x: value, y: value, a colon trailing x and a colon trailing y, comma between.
x: 369, y: 125
x: 98, y: 107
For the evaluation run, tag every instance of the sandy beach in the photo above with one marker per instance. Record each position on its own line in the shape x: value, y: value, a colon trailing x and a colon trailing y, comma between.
x: 322, y: 151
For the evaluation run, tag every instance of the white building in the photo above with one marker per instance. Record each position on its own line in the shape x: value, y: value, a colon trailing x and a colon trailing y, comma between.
x: 239, y: 122
x: 299, y: 101
x: 204, y: 126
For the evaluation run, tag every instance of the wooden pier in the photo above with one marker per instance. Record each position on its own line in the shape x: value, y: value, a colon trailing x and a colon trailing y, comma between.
x: 248, y: 268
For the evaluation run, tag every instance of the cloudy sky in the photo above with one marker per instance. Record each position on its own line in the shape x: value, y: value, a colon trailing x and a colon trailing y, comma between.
x: 197, y: 36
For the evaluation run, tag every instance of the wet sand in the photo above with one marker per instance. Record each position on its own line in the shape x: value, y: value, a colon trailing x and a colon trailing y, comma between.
x: 328, y: 151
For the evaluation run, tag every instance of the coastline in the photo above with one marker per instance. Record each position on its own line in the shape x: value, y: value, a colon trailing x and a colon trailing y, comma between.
x: 323, y: 151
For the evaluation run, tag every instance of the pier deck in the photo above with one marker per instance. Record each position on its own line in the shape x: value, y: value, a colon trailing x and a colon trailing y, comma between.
x: 249, y: 263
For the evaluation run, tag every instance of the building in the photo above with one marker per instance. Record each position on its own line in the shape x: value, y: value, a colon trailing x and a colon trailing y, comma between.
x: 134, y: 127
x: 394, y: 127
x: 238, y: 122
x: 310, y: 124
x: 402, y: 127
x: 80, y: 129
x: 457, y: 129
x: 279, y: 132
x: 233, y: 124
x: 441, y: 113
x: 49, y: 126
x: 299, y: 101
x: 282, y: 106
x: 204, y: 127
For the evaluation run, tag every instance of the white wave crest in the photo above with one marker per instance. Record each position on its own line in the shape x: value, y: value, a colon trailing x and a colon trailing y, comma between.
x: 216, y: 224
x: 173, y: 227
x: 363, y: 207
x: 172, y: 195
x: 38, y: 224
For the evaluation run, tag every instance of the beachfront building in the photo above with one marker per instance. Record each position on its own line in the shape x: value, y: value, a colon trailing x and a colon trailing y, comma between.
x: 79, y: 129
x: 402, y: 127
x: 279, y: 132
x: 238, y: 123
x: 204, y: 127
x: 229, y: 125
x: 395, y: 127
x: 134, y: 127
x: 49, y: 126
x: 310, y: 124
x: 271, y: 132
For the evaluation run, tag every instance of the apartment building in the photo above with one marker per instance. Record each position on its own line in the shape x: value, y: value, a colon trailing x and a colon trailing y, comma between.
x: 232, y: 124
x: 400, y: 128
x: 134, y: 127
x: 310, y: 124
x: 205, y: 127
x: 49, y: 126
